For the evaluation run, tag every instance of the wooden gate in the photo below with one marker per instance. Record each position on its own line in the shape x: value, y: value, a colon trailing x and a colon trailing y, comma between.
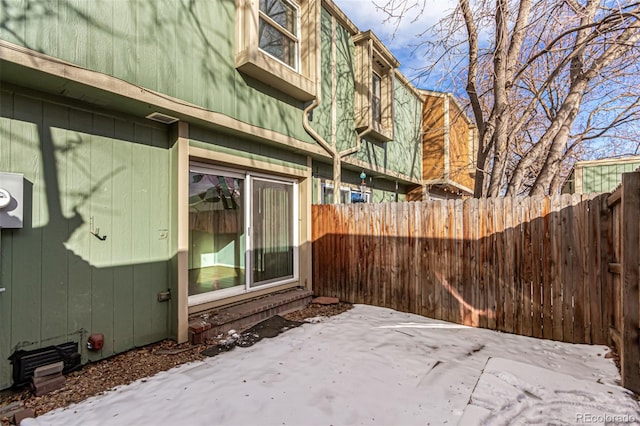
x: 623, y: 277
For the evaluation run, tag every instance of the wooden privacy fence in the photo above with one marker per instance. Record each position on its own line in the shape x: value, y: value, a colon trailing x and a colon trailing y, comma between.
x: 530, y: 266
x: 563, y: 267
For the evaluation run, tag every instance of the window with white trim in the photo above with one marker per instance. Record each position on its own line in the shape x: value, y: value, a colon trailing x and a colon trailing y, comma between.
x: 278, y: 30
x: 348, y: 195
x: 376, y: 98
x: 277, y: 43
x: 374, y: 74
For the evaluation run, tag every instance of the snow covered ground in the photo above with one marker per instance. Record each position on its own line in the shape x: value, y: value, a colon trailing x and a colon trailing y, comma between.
x: 374, y: 366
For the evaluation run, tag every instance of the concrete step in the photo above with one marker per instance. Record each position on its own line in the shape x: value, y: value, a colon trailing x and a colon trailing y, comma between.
x: 210, y: 324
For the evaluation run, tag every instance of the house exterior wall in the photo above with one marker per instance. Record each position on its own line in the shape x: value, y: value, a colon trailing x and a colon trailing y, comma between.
x: 403, y: 153
x: 95, y: 167
x: 599, y: 175
x: 181, y: 49
x: 605, y: 178
x: 334, y: 120
x: 85, y: 172
x: 400, y: 156
x: 186, y: 51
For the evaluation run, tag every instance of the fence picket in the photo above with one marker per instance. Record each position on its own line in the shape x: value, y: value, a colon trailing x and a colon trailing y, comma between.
x: 456, y: 259
x: 556, y: 261
x: 567, y: 284
x: 527, y: 267
x: 415, y: 258
x: 509, y: 261
x: 547, y: 274
x: 536, y: 229
x: 579, y: 270
x: 488, y: 264
x: 595, y: 271
x: 499, y: 261
x: 479, y: 300
x: 464, y: 260
x: 437, y: 257
x: 517, y: 265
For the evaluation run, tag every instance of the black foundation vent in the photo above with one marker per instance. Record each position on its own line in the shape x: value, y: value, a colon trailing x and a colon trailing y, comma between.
x: 25, y: 362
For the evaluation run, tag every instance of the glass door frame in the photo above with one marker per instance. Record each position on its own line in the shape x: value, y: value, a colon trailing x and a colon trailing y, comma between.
x: 296, y: 232
x: 248, y: 177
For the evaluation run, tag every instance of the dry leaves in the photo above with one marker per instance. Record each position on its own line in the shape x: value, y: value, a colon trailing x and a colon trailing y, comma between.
x: 314, y: 310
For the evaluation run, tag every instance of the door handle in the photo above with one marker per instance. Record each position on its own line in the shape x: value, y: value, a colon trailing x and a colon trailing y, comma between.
x: 2, y: 290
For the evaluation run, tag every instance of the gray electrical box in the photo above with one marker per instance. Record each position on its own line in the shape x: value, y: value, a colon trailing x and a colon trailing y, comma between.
x: 11, y: 200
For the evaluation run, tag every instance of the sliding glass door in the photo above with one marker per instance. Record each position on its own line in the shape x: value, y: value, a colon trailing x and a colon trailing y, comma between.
x: 273, y: 231
x: 239, y: 222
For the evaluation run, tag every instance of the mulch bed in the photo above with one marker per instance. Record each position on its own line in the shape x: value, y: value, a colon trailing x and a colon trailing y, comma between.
x: 97, y: 377
x: 268, y: 328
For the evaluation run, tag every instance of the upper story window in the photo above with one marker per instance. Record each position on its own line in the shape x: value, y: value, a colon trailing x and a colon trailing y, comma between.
x: 375, y: 68
x: 277, y: 43
x: 376, y: 99
x: 278, y: 30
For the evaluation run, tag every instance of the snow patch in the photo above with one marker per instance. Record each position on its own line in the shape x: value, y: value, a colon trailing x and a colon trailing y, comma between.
x: 372, y: 365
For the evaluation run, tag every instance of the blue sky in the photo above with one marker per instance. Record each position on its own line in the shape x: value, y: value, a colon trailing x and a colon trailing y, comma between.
x: 402, y: 44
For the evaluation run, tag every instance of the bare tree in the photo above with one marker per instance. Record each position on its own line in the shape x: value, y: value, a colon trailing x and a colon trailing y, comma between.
x: 544, y: 81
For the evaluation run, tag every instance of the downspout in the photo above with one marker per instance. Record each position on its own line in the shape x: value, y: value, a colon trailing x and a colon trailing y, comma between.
x: 356, y: 148
x: 305, y: 123
x: 331, y: 150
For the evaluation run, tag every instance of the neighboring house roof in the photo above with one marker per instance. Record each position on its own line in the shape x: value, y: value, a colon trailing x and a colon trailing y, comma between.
x: 449, y: 186
x: 601, y: 175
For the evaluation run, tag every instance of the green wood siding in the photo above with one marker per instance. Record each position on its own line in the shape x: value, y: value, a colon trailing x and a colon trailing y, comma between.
x: 345, y: 90
x: 184, y: 49
x: 208, y: 139
x: 604, y: 178
x: 403, y: 154
x: 83, y: 172
x: 321, y: 121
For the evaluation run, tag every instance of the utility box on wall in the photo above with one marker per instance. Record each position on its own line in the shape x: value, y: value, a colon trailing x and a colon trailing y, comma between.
x: 11, y: 200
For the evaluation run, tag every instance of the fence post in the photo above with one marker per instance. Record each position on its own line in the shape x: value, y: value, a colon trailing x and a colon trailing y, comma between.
x: 630, y: 348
